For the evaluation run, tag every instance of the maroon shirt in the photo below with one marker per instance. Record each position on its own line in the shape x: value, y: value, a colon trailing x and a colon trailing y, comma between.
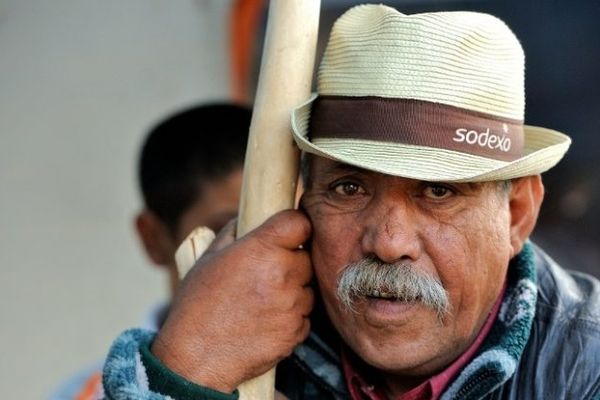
x: 361, y: 389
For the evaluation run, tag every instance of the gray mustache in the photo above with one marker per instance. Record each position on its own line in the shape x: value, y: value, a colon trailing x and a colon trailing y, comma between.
x: 373, y: 277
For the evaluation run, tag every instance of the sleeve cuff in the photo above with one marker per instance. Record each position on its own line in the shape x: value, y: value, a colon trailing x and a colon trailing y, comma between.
x: 163, y: 380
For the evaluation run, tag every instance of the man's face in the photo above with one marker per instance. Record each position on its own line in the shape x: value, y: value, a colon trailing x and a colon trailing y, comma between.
x: 455, y: 233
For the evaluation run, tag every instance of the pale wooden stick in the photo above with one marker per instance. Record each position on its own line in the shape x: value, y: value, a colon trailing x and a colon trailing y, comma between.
x: 192, y: 248
x: 271, y: 166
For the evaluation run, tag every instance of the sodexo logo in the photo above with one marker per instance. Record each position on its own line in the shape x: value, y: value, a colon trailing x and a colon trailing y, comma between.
x: 483, y: 139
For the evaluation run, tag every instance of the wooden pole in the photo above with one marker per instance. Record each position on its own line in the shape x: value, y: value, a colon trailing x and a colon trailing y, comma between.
x: 272, y: 158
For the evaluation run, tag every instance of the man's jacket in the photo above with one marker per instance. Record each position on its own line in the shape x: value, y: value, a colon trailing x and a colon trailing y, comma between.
x: 544, y: 344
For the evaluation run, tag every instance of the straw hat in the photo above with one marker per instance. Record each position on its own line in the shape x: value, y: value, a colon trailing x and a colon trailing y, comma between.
x: 435, y: 96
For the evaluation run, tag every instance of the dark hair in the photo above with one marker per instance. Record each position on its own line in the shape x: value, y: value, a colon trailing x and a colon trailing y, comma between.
x: 187, y: 150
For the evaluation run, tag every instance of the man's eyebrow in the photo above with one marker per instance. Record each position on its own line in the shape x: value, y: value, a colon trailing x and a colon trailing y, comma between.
x: 469, y: 186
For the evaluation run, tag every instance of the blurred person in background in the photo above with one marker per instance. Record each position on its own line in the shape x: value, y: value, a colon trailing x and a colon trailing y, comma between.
x: 190, y: 174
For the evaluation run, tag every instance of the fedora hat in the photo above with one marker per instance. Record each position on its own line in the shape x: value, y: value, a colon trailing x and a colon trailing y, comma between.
x: 434, y: 96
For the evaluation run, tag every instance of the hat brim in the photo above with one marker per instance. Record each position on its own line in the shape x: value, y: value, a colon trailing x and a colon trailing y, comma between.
x: 543, y: 149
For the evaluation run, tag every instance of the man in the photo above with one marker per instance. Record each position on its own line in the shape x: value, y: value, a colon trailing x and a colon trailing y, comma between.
x: 422, y: 188
x: 189, y: 177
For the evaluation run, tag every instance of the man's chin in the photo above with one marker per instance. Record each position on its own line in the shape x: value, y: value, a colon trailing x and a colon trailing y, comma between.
x: 394, y: 339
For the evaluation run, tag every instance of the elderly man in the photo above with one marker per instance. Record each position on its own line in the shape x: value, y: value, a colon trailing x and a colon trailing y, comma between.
x: 422, y: 188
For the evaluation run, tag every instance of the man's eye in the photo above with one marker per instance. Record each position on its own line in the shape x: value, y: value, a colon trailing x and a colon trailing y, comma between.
x: 438, y: 192
x: 348, y: 188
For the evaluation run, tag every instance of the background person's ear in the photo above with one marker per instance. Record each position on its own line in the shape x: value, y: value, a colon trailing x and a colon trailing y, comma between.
x: 525, y: 200
x: 155, y: 237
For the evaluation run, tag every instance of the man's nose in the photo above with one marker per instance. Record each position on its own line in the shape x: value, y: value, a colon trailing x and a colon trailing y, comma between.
x: 391, y: 231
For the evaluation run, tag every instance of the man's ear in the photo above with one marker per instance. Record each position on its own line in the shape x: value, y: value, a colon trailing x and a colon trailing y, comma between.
x: 526, y: 197
x: 155, y: 237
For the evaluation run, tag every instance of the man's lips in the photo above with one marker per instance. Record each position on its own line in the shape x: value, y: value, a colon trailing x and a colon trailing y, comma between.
x: 385, y: 312
x: 382, y: 295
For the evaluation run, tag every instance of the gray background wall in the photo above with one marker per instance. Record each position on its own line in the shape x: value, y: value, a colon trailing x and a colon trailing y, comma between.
x: 80, y: 82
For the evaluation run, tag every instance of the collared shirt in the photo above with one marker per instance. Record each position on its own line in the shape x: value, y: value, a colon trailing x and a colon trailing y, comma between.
x: 361, y: 389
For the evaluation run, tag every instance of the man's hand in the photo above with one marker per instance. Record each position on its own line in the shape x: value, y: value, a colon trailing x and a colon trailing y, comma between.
x: 243, y: 307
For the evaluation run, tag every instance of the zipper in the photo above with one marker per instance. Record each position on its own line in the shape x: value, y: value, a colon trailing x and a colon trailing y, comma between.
x: 472, y: 383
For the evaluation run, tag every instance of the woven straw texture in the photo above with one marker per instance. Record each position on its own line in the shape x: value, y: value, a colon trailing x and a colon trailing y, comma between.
x: 463, y: 59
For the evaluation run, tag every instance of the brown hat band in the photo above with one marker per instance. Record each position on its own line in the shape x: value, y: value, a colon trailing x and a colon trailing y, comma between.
x: 416, y: 122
